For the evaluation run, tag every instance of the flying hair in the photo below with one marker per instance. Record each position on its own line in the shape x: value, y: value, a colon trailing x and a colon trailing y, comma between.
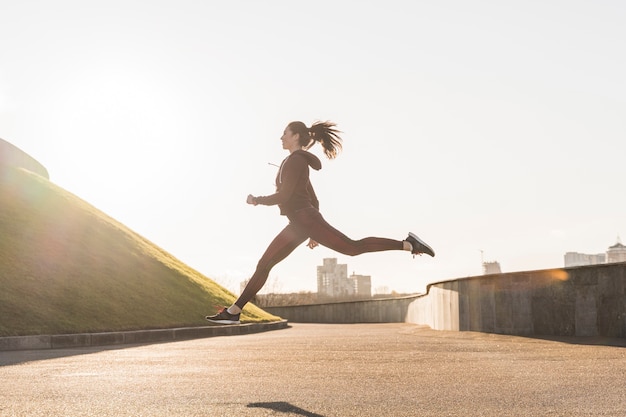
x: 323, y: 132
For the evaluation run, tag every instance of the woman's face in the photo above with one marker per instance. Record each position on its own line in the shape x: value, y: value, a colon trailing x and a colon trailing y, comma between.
x: 290, y: 139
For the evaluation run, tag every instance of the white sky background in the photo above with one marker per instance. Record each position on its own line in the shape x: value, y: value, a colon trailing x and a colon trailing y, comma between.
x: 483, y: 125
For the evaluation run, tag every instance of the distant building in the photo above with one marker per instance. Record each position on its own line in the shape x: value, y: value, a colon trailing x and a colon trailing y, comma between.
x: 362, y: 285
x: 580, y: 259
x: 333, y: 281
x: 615, y: 253
x: 491, y: 268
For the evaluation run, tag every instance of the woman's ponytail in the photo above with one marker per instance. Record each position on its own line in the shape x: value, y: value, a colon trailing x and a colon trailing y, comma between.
x: 322, y: 132
x: 326, y: 134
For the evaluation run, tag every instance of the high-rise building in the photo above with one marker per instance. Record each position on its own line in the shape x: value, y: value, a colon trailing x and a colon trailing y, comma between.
x: 333, y: 281
x: 616, y: 253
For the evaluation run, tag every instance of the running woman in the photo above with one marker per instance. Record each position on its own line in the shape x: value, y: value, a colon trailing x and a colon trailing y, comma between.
x: 297, y: 201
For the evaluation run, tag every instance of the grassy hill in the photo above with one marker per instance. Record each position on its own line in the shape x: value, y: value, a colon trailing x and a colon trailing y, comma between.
x: 66, y: 267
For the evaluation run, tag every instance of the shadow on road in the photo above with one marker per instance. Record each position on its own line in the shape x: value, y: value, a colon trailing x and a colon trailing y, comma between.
x: 15, y: 357
x: 284, y: 407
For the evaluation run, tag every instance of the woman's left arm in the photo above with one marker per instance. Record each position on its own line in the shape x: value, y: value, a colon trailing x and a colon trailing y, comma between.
x: 293, y: 169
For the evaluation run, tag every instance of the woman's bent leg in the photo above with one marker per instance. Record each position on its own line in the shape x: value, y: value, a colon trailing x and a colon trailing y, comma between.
x: 311, y: 223
x: 282, y: 245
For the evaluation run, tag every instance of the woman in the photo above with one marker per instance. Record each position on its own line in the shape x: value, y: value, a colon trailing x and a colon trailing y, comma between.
x: 297, y: 201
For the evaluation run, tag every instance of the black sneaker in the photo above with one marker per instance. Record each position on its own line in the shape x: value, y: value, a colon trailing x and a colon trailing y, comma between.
x: 419, y: 246
x: 224, y: 317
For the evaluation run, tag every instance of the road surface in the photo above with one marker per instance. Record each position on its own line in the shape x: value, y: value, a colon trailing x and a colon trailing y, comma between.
x: 324, y: 370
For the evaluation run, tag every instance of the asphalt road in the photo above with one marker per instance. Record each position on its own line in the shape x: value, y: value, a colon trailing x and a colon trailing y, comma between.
x: 318, y: 370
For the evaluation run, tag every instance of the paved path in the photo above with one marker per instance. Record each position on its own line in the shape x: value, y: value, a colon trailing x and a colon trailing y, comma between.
x: 322, y: 370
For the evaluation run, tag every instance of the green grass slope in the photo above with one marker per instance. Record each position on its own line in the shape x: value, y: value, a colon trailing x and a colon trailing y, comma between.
x: 66, y: 267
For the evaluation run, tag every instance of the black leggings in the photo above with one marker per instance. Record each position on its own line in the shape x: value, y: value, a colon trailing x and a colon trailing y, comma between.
x: 303, y: 224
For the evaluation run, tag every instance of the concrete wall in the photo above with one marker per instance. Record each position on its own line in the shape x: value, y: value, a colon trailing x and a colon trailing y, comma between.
x: 12, y: 156
x: 582, y: 301
x: 392, y: 310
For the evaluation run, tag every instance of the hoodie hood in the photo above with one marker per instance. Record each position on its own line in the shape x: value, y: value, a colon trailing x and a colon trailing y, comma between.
x: 313, y: 161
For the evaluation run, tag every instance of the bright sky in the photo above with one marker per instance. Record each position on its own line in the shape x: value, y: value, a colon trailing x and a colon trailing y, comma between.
x: 481, y: 126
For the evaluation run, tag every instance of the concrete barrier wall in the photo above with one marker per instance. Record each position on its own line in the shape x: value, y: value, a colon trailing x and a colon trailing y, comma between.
x: 582, y: 301
x: 392, y: 310
x: 12, y: 156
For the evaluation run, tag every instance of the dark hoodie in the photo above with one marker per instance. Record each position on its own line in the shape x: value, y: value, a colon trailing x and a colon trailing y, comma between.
x: 293, y: 188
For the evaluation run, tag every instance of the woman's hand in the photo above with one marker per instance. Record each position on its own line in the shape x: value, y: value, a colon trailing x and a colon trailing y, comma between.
x: 312, y: 244
x: 251, y: 200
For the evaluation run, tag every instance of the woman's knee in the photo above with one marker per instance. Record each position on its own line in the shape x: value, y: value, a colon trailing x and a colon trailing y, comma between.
x: 262, y: 270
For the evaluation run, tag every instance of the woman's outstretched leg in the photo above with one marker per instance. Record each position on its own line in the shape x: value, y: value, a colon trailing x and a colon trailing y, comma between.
x: 311, y: 223
x: 282, y: 245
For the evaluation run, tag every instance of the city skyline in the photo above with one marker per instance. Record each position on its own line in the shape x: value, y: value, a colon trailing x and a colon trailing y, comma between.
x: 614, y: 253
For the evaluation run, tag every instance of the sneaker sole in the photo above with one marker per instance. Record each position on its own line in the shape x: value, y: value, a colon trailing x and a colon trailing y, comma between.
x: 223, y: 321
x: 421, y: 242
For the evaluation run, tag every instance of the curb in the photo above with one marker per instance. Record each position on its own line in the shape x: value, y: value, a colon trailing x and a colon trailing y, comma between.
x: 62, y: 341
